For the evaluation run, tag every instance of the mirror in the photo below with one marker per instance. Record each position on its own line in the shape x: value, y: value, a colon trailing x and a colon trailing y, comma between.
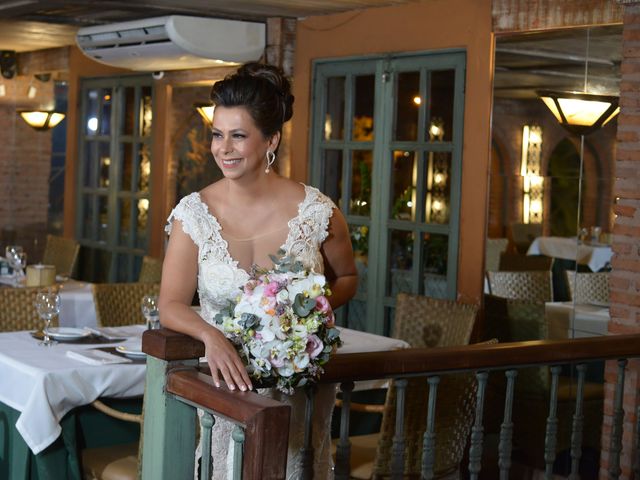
x: 550, y: 201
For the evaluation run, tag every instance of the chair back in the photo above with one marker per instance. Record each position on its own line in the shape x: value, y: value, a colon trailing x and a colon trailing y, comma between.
x: 493, y: 249
x: 455, y: 407
x: 430, y: 322
x: 587, y: 287
x: 529, y: 285
x: 18, y: 310
x: 63, y: 253
x: 119, y: 304
x: 151, y: 270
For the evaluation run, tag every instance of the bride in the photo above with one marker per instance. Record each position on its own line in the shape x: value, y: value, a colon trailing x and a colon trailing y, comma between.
x: 219, y: 233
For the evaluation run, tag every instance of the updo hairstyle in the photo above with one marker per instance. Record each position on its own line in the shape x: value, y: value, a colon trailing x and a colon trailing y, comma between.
x: 263, y: 90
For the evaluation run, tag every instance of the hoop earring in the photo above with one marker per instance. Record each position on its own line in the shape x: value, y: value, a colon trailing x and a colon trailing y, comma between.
x: 271, y: 157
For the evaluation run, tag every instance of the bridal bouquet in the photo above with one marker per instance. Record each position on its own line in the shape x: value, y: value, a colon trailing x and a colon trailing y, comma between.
x: 282, y: 324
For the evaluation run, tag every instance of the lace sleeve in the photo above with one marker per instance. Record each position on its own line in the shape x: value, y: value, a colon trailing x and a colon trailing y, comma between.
x: 191, y: 212
x: 323, y: 206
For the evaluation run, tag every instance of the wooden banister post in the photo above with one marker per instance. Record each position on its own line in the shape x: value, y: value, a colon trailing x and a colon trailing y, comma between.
x: 169, y: 425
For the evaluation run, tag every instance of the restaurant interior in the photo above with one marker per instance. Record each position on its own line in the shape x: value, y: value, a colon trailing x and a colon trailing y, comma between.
x: 481, y: 162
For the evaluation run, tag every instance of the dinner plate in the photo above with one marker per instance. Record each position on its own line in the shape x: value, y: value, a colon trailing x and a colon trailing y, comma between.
x: 130, y: 352
x: 67, y: 333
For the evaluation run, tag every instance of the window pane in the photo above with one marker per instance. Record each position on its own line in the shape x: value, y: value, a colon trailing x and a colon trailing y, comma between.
x: 128, y: 114
x: 105, y: 113
x: 103, y: 219
x: 441, y: 111
x: 400, y: 262
x: 126, y: 170
x: 332, y: 175
x: 363, y: 108
x: 124, y: 229
x: 434, y: 253
x: 408, y: 103
x: 334, y: 119
x: 92, y: 107
x: 144, y: 165
x: 357, y: 315
x: 403, y: 193
x: 360, y: 242
x: 361, y: 165
x: 88, y: 216
x: 105, y: 165
x: 94, y: 172
x: 141, y: 223
x: 146, y: 115
x: 438, y: 187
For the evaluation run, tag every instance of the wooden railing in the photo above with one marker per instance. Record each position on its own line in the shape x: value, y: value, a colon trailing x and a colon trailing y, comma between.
x: 175, y: 386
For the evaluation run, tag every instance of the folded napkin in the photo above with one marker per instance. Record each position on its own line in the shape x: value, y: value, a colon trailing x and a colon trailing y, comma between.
x: 106, y: 332
x: 96, y: 357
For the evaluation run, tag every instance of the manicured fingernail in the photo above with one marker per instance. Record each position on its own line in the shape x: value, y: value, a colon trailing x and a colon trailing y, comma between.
x: 243, y: 388
x: 218, y: 384
x: 232, y: 387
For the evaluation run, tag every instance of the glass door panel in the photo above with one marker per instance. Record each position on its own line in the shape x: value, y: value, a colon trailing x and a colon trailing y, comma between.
x: 361, y: 167
x: 115, y: 176
x: 407, y: 106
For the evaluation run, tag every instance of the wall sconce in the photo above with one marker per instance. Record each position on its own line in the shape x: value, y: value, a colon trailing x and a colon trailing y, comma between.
x: 531, y: 169
x: 206, y: 112
x: 41, y: 119
x: 580, y: 113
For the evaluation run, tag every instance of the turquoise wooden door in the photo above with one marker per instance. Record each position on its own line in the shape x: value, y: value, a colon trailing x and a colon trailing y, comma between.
x: 114, y: 176
x: 386, y: 147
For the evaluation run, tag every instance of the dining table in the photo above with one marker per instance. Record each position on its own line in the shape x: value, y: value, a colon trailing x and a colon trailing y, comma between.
x: 594, y: 255
x: 41, y: 389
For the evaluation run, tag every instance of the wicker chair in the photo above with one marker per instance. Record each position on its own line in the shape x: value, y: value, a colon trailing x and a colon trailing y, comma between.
x: 63, y: 253
x: 423, y: 322
x: 118, y: 304
x: 18, y: 311
x: 531, y: 285
x: 495, y: 246
x: 588, y: 287
x: 151, y: 270
x: 114, y: 462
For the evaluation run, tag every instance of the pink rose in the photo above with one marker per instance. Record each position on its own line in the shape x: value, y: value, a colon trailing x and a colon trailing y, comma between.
x: 322, y: 304
x: 314, y: 346
x: 271, y: 289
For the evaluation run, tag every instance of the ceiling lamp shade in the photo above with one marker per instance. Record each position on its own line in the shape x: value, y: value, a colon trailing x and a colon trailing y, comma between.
x: 41, y: 119
x: 206, y: 111
x: 580, y: 113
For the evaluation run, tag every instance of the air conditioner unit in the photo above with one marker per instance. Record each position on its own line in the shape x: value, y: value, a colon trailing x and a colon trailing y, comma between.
x: 173, y: 42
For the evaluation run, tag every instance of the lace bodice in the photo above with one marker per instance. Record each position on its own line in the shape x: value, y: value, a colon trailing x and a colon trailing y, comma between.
x: 219, y: 275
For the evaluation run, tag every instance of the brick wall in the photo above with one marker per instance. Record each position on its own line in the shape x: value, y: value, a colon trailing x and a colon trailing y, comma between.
x: 625, y: 278
x: 25, y: 159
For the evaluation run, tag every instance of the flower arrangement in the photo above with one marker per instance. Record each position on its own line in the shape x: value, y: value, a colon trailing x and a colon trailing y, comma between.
x: 282, y: 324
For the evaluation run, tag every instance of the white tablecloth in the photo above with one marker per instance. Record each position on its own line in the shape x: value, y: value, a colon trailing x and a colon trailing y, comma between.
x: 43, y: 384
x: 595, y: 256
x: 566, y: 320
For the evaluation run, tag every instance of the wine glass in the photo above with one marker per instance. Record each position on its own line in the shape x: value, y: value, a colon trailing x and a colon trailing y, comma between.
x: 150, y: 311
x: 48, y: 306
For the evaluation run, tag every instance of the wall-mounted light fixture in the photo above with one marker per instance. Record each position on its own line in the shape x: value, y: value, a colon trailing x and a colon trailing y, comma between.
x: 41, y: 119
x: 206, y: 112
x: 580, y: 112
x: 532, y: 180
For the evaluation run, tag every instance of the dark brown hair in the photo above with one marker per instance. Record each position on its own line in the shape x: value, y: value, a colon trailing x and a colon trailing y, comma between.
x: 263, y: 90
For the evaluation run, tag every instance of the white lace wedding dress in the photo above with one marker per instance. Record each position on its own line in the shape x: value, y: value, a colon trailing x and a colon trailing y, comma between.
x: 219, y: 279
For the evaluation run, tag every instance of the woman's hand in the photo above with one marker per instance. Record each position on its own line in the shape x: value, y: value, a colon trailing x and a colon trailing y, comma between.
x: 224, y: 361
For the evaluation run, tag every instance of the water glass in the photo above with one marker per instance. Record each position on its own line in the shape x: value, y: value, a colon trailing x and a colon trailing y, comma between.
x: 151, y: 312
x: 48, y: 306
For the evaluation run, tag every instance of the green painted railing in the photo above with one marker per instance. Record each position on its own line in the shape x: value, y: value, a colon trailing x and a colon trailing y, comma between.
x: 175, y: 386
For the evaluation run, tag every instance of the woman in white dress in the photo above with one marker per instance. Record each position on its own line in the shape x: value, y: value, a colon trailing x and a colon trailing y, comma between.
x: 219, y: 233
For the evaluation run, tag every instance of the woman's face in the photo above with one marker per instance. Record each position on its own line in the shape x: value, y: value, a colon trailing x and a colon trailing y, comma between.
x: 238, y: 145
